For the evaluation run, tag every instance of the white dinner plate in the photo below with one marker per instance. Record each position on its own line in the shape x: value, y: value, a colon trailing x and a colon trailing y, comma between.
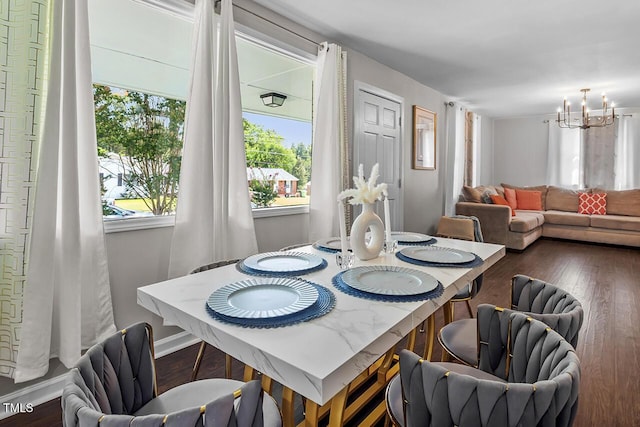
x: 332, y: 243
x: 438, y: 254
x: 263, y: 298
x: 403, y: 236
x: 282, y: 262
x: 389, y: 280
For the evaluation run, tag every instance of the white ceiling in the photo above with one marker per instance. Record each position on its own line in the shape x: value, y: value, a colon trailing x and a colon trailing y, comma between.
x: 501, y: 58
x: 137, y: 46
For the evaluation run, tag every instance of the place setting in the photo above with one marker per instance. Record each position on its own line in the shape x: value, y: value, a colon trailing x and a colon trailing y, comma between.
x: 388, y: 283
x: 436, y: 256
x: 281, y: 264
x: 270, y: 302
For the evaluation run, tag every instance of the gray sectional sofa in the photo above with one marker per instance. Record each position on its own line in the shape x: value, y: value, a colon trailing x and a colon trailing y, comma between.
x: 558, y: 218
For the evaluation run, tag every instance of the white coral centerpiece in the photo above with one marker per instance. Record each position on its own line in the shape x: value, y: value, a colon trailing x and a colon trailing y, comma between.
x: 365, y: 191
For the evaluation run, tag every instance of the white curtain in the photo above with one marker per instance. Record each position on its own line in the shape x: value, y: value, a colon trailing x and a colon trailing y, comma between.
x: 564, y: 157
x: 213, y: 218
x: 329, y: 162
x: 67, y: 300
x: 598, y: 152
x: 627, y: 153
x: 23, y: 58
x: 455, y: 156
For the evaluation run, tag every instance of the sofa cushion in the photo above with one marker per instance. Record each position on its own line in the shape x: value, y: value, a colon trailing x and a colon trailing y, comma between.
x: 562, y: 199
x: 592, y: 203
x: 510, y: 196
x: 541, y: 188
x: 566, y: 218
x: 529, y: 200
x: 525, y: 221
x: 624, y: 202
x: 616, y: 222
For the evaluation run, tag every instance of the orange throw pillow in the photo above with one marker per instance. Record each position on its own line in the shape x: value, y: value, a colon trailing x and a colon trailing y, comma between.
x: 529, y: 200
x: 593, y: 204
x: 510, y: 196
x: 499, y: 200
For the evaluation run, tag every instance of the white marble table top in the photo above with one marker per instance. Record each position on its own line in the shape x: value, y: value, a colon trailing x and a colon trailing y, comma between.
x: 320, y: 357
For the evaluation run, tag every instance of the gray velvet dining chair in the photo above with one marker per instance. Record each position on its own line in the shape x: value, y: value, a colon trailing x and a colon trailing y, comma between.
x: 540, y: 300
x: 462, y: 228
x: 114, y: 385
x: 528, y: 375
x: 228, y: 360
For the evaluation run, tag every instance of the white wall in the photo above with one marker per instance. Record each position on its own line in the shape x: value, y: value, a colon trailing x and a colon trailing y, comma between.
x: 520, y: 150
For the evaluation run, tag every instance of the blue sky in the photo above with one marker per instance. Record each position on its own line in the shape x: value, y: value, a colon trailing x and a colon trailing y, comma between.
x: 293, y: 131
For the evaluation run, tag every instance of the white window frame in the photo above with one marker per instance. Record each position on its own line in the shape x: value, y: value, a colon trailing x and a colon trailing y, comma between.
x: 178, y: 8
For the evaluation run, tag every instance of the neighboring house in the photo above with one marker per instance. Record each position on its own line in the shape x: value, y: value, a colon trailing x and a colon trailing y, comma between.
x: 112, y: 177
x: 284, y: 183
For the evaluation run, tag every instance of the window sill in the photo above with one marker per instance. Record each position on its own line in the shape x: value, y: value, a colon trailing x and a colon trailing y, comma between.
x: 132, y: 224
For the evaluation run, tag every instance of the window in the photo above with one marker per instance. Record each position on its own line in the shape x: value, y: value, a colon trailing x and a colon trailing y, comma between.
x: 141, y: 78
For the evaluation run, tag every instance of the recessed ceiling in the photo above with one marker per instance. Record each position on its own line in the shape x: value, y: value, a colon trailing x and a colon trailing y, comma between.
x: 500, y: 58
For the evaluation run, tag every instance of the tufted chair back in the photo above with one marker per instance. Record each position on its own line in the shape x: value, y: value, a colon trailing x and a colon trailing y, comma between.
x: 542, y: 387
x: 114, y: 380
x: 549, y: 304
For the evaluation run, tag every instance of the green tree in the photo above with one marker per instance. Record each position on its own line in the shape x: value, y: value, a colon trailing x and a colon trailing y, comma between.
x: 302, y: 167
x: 145, y: 132
x: 264, y: 148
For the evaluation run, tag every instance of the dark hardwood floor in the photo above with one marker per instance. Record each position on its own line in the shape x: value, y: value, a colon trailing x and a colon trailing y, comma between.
x: 606, y: 279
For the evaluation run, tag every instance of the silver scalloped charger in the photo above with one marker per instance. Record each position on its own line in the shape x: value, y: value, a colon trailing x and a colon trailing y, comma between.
x: 263, y: 298
x: 389, y: 280
x: 439, y: 255
x: 282, y: 262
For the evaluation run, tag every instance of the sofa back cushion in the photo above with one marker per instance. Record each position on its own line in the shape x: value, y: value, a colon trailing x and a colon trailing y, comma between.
x: 624, y: 202
x: 541, y: 188
x: 563, y: 199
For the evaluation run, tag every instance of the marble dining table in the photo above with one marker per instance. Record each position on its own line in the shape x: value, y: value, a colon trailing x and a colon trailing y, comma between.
x: 317, y: 358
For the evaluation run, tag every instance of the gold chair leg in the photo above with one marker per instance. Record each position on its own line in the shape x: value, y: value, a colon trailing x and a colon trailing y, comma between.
x: 228, y: 360
x: 196, y: 365
x: 469, y: 308
x: 288, y: 401
x: 448, y: 317
x: 429, y: 338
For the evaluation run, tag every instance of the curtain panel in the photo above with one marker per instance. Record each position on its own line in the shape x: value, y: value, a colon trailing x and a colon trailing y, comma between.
x: 24, y: 49
x: 329, y: 162
x: 213, y: 218
x: 627, y: 156
x: 67, y: 299
x: 564, y: 157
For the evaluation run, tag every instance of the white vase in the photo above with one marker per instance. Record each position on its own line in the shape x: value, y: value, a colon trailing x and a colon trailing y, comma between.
x: 367, y: 220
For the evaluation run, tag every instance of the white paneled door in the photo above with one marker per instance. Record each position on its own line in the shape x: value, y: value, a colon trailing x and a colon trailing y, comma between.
x: 378, y: 139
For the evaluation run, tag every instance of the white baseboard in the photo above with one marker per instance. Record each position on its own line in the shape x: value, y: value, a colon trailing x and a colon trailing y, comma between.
x: 51, y: 388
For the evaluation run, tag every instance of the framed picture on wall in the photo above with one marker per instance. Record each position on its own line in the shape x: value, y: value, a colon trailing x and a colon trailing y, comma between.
x: 424, y: 139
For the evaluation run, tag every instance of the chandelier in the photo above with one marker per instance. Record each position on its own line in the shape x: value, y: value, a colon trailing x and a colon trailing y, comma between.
x: 585, y: 120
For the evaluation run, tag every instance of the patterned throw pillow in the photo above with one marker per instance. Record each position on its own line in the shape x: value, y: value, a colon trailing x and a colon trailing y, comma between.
x: 592, y: 204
